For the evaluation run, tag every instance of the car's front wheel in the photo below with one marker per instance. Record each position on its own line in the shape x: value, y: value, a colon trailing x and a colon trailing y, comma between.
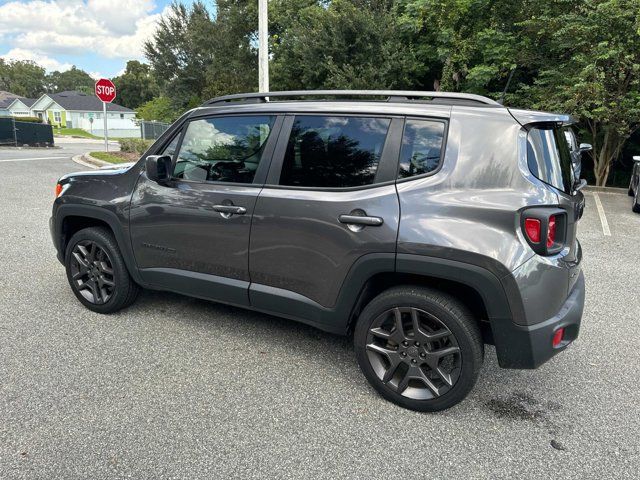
x: 97, y: 272
x: 419, y: 348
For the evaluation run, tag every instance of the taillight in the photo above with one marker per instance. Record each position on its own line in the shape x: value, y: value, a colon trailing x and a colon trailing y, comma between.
x: 551, y: 231
x: 58, y: 189
x: 545, y: 229
x: 532, y: 229
x: 557, y: 337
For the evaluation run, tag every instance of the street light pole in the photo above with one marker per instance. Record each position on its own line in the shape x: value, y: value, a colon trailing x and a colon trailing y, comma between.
x: 263, y: 47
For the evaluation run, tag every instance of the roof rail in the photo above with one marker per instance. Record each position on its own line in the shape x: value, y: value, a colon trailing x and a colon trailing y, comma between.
x: 391, y: 96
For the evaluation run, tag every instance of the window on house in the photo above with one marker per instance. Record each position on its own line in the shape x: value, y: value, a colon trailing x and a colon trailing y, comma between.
x: 57, y: 117
x: 122, y: 115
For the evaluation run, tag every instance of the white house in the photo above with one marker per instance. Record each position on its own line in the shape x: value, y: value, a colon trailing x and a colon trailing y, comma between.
x: 79, y: 110
x: 5, y: 100
x: 21, y: 107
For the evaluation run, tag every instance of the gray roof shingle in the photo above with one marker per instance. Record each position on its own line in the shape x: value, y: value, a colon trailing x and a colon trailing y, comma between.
x: 81, y: 101
x: 6, y: 98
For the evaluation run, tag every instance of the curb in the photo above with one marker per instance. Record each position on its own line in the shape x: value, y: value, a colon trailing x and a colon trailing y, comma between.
x: 89, y: 161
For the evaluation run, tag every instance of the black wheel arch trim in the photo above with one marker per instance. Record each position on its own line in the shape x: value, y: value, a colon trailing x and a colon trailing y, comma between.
x: 96, y: 213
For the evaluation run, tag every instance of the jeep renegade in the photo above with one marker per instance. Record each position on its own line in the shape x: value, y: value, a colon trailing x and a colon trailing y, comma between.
x: 425, y: 224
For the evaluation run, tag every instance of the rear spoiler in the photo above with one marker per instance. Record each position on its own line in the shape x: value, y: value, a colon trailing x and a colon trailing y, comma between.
x: 527, y: 117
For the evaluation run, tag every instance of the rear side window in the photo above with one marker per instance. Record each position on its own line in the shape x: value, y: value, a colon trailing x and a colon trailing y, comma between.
x: 421, y: 147
x: 223, y: 149
x: 549, y: 157
x: 333, y: 152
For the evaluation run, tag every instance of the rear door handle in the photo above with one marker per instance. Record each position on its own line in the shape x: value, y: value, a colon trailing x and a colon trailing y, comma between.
x: 361, y: 220
x: 232, y: 209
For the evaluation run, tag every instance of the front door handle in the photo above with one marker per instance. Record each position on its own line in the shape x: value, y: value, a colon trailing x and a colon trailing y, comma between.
x: 230, y: 209
x: 361, y: 220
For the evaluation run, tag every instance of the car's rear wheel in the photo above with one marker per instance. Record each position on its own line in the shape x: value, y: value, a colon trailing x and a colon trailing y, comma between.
x: 419, y: 348
x: 97, y: 273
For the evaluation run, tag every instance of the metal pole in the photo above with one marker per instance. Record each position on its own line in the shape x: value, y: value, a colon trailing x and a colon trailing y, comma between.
x: 263, y: 47
x: 15, y: 131
x: 106, y: 131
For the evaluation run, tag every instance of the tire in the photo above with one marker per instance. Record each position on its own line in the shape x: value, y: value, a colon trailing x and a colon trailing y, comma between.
x: 435, y: 381
x: 97, y: 273
x: 635, y: 206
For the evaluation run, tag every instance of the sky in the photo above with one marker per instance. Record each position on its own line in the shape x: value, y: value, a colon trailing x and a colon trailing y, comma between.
x: 98, y: 36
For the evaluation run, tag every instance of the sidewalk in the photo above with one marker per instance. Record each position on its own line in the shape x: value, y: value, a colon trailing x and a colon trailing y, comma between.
x: 92, y: 141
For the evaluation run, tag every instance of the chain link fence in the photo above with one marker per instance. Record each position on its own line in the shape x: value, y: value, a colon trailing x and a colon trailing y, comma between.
x: 16, y: 134
x: 152, y: 130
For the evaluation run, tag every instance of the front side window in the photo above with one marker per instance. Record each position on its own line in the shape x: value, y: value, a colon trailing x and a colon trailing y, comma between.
x: 421, y: 147
x: 57, y: 117
x: 334, y: 152
x: 549, y: 157
x: 223, y: 149
x: 171, y: 148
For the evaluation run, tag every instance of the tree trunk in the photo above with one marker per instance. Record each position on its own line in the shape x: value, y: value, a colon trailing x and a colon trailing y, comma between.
x: 604, y: 154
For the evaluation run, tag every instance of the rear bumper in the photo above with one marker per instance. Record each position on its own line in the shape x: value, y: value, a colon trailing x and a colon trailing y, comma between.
x: 529, y: 346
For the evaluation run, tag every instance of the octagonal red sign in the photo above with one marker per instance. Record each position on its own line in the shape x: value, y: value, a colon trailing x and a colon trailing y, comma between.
x: 105, y: 90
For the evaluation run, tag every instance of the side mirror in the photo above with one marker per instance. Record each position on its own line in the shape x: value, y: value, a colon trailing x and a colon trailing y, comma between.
x: 636, y: 158
x: 585, y: 147
x: 158, y: 168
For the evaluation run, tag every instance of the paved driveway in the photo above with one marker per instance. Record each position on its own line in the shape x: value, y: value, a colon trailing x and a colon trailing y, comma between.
x: 180, y: 388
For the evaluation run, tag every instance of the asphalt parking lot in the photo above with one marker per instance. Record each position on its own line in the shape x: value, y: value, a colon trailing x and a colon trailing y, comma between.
x: 175, y: 387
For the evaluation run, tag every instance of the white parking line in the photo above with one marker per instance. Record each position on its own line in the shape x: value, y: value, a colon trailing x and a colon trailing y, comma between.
x: 27, y: 159
x: 603, y: 217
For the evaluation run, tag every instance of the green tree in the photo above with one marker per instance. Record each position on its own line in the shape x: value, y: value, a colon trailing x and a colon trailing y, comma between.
x: 469, y: 45
x: 590, y: 67
x: 72, y: 79
x: 345, y: 44
x: 136, y: 85
x: 160, y: 109
x: 24, y: 78
x: 181, y: 52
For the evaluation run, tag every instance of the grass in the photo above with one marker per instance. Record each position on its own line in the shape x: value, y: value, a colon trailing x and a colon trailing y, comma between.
x: 73, y: 132
x: 111, y: 157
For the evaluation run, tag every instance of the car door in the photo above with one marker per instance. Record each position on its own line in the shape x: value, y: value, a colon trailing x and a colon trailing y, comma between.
x: 330, y: 199
x: 191, y: 234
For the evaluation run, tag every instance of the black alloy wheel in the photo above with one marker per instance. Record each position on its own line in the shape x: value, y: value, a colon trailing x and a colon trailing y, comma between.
x: 97, y: 271
x: 420, y: 348
x: 92, y: 272
x: 413, y: 352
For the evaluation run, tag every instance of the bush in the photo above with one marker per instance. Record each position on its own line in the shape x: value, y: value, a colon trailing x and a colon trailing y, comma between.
x: 28, y: 119
x: 134, y: 145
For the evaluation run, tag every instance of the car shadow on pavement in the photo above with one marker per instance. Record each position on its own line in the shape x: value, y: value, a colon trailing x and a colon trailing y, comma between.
x: 500, y: 390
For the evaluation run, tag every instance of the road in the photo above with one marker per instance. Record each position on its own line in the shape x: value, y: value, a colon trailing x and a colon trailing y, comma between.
x: 175, y: 387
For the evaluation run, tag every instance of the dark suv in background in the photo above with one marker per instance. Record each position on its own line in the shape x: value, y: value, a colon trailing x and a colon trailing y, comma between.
x: 634, y: 185
x: 426, y: 224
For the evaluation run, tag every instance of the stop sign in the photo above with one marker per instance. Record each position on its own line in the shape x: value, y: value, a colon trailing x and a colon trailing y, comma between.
x: 105, y: 90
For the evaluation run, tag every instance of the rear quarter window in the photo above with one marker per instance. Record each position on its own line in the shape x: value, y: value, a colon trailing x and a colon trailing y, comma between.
x: 421, y: 147
x: 549, y: 157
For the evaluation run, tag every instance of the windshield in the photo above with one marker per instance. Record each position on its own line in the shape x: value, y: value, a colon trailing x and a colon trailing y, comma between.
x: 549, y: 157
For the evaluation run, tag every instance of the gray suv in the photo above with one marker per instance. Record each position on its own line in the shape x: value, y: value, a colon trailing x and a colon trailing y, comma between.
x: 424, y: 224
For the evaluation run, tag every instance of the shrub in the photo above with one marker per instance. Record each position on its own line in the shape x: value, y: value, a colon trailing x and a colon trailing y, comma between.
x: 134, y: 145
x: 28, y: 119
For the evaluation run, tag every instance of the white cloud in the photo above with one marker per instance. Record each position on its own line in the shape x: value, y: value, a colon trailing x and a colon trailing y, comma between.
x: 48, y: 63
x: 109, y: 28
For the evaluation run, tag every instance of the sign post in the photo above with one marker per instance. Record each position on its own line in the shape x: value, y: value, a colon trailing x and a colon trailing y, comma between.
x: 105, y: 91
